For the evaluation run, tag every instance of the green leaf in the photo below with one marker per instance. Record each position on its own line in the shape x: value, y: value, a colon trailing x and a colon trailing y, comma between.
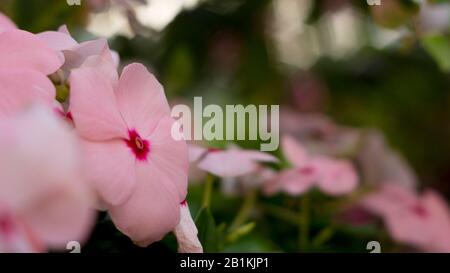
x: 207, y: 231
x: 438, y: 46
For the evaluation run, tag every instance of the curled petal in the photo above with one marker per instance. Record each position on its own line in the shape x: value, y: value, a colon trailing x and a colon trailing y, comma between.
x: 186, y: 232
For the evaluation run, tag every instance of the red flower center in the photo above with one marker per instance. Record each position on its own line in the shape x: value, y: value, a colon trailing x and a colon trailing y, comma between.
x: 6, y: 224
x: 308, y: 170
x: 139, y: 146
x: 420, y: 210
x: 213, y: 150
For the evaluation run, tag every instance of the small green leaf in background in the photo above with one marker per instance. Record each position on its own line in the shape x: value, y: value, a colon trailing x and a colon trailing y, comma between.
x: 207, y: 232
x: 243, y: 230
x: 438, y: 46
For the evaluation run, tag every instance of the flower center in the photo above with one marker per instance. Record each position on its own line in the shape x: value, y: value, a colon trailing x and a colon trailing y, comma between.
x: 6, y: 224
x: 420, y: 211
x: 140, y: 147
x: 308, y: 170
x: 139, y: 143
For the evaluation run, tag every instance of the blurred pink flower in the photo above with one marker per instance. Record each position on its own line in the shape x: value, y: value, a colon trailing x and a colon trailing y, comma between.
x: 6, y: 23
x: 44, y: 203
x: 186, y: 232
x: 421, y: 221
x: 243, y: 184
x: 380, y: 164
x: 20, y: 49
x: 19, y: 88
x: 232, y: 162
x: 331, y: 176
x: 138, y: 169
x: 76, y: 54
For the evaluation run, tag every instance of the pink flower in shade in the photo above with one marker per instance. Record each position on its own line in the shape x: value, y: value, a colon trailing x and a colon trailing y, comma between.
x: 186, y: 232
x: 137, y: 168
x: 6, y: 23
x: 228, y: 163
x: 44, y: 203
x: 421, y: 221
x: 331, y: 176
x: 76, y: 54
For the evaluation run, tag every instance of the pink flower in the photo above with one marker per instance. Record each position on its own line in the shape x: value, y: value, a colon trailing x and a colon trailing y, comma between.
x: 24, y: 63
x: 243, y: 184
x: 23, y: 50
x: 186, y: 232
x: 228, y: 163
x: 421, y: 221
x: 6, y: 23
x: 331, y: 176
x: 138, y: 169
x: 44, y: 203
x: 88, y: 53
x: 19, y: 88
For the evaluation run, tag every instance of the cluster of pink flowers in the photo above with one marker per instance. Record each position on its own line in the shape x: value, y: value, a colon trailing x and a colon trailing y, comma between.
x: 114, y: 150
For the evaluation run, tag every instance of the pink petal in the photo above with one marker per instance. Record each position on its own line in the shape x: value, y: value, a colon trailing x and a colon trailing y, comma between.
x: 14, y: 236
x: 40, y: 177
x: 293, y: 151
x: 195, y: 152
x: 336, y: 177
x: 186, y: 232
x: 64, y: 29
x: 62, y: 217
x: 153, y: 209
x: 141, y: 99
x: 292, y: 182
x: 110, y: 167
x: 104, y: 67
x: 57, y: 40
x: 20, y: 88
x: 233, y: 162
x: 19, y: 49
x: 6, y: 23
x: 170, y: 156
x: 257, y: 156
x: 227, y: 164
x: 93, y: 106
x: 77, y: 55
x: 407, y: 228
x: 389, y: 199
x: 439, y: 214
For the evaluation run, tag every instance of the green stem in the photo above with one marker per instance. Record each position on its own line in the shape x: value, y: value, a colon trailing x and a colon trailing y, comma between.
x: 281, y: 213
x: 323, y: 236
x: 303, y: 223
x: 245, y: 210
x: 207, y: 191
